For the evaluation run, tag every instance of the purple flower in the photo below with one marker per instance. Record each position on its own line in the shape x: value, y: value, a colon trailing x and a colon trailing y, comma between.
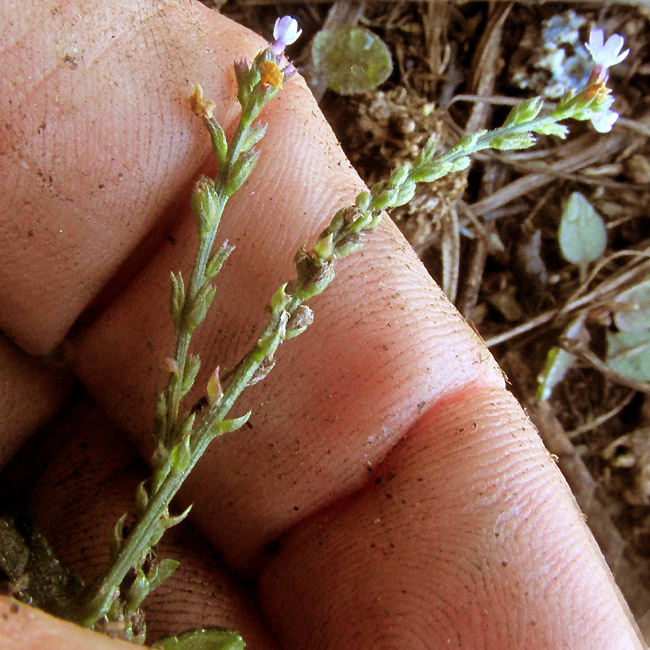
x: 285, y: 32
x: 605, y: 53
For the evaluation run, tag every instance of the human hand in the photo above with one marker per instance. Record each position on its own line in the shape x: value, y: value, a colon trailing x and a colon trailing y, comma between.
x: 416, y: 505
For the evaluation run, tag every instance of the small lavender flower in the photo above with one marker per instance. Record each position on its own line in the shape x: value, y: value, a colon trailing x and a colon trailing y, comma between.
x: 603, y: 121
x: 285, y: 32
x: 605, y: 53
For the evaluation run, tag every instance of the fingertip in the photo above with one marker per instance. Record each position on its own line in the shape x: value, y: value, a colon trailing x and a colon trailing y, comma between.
x: 467, y: 536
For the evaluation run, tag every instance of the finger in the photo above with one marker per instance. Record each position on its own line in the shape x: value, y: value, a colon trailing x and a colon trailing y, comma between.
x: 466, y: 537
x: 350, y: 387
x: 26, y: 628
x: 98, y: 141
x: 81, y: 477
x: 31, y: 392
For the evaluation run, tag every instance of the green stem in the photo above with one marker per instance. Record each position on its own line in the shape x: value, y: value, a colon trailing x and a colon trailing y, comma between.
x: 483, y: 141
x: 183, y: 337
x: 197, y: 278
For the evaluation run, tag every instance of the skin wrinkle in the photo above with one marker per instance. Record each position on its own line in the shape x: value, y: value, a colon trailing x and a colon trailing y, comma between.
x: 322, y: 559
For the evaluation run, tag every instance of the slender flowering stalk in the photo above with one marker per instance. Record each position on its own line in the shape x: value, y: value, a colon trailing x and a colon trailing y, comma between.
x: 180, y: 436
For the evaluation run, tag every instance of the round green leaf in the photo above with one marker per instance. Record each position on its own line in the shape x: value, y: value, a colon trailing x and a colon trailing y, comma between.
x: 582, y: 235
x: 628, y: 353
x: 635, y: 314
x: 352, y: 59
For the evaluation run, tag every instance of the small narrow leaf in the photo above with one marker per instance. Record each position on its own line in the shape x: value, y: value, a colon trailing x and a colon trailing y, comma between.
x: 513, y: 141
x: 200, y: 307
x: 427, y: 173
x: 240, y: 171
x: 226, y: 426
x: 138, y: 591
x: 141, y: 497
x: 219, y: 142
x: 181, y: 455
x: 558, y: 361
x: 218, y: 259
x: 582, y: 235
x: 169, y: 521
x: 177, y: 296
x: 214, y: 390
x: 526, y: 110
x: 191, y: 369
x: 254, y: 134
x: 279, y: 300
x: 183, y: 431
x: 553, y: 128
x: 163, y: 571
x: 118, y: 534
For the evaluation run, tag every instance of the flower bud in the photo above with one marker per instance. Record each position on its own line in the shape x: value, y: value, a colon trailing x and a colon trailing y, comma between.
x: 205, y: 205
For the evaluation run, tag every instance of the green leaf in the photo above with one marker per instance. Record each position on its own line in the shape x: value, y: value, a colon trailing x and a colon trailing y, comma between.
x: 243, y: 76
x: 427, y: 152
x: 525, y: 111
x: 253, y: 135
x: 553, y: 128
x: 183, y: 429
x: 138, y: 591
x: 206, y: 639
x: 177, y: 296
x: 181, y: 455
x: 460, y: 164
x: 226, y: 426
x: 218, y: 260
x: 163, y: 571
x: 141, y: 497
x: 628, y: 354
x: 191, y: 369
x: 219, y: 142
x: 399, y: 175
x: 469, y: 140
x: 240, y: 170
x: 428, y: 173
x: 582, y: 235
x: 279, y: 300
x: 363, y: 200
x: 352, y: 59
x: 558, y: 361
x: 406, y: 192
x: 632, y: 310
x: 169, y: 521
x: 118, y: 534
x: 199, y: 309
x: 513, y: 141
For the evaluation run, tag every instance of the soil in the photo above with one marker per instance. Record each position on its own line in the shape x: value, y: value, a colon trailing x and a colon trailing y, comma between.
x: 489, y: 236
